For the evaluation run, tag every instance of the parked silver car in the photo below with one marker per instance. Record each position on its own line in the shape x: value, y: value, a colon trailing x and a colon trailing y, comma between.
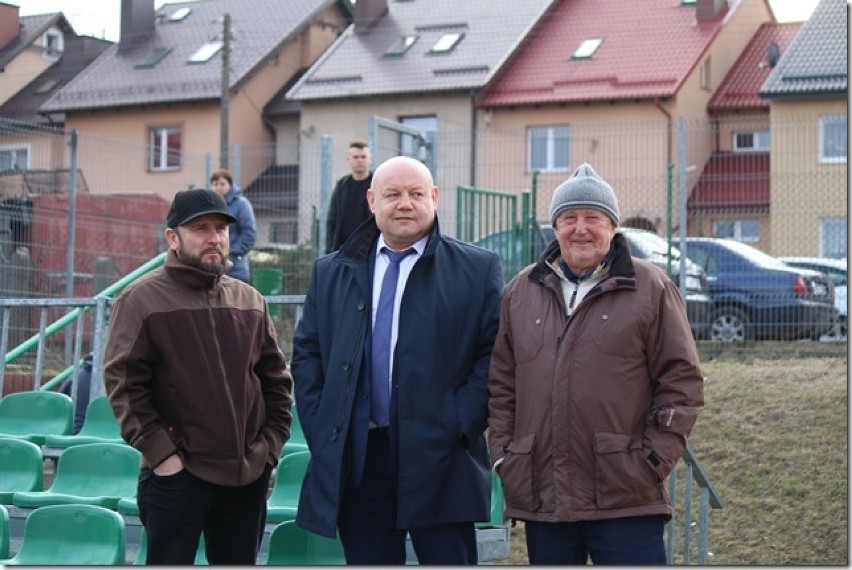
x: 836, y: 271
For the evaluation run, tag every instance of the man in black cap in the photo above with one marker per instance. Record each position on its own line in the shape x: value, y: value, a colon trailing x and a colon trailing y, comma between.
x: 200, y: 387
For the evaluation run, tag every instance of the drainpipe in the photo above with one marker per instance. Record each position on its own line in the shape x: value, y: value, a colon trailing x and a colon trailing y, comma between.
x: 475, y: 133
x: 668, y: 115
x: 669, y: 189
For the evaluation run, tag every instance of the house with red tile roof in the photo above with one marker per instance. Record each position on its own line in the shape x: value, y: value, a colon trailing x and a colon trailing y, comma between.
x: 623, y: 86
x: 732, y: 195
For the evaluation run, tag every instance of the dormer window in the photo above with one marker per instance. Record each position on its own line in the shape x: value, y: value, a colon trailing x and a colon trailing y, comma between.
x: 205, y: 52
x: 447, y: 42
x: 587, y: 48
x: 54, y: 44
x: 401, y: 46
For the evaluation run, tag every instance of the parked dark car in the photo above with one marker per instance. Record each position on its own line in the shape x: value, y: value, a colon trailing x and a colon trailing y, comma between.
x: 836, y: 269
x: 647, y: 245
x: 756, y: 296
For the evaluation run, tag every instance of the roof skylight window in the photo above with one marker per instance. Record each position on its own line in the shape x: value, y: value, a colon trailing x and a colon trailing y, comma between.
x: 47, y: 86
x: 180, y: 14
x: 587, y: 48
x: 401, y: 45
x: 156, y: 55
x: 205, y: 52
x: 447, y: 42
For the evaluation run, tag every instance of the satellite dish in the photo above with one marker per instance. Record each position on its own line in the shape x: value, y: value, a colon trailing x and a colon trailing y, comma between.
x: 773, y: 54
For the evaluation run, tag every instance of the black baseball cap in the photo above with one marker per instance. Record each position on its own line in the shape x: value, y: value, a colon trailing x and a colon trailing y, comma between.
x: 189, y: 204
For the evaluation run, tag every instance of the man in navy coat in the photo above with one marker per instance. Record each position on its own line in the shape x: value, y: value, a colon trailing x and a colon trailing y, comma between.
x: 426, y: 471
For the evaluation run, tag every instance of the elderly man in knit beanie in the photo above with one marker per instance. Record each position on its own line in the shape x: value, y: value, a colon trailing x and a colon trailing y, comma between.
x: 594, y: 387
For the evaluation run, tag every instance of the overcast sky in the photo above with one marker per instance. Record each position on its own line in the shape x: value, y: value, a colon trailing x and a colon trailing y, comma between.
x: 102, y: 18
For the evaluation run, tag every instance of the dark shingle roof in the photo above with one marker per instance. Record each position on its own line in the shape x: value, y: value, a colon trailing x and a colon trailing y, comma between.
x: 79, y: 52
x: 740, y: 88
x: 649, y: 48
x: 258, y: 28
x: 816, y: 61
x: 356, y: 65
x: 31, y: 28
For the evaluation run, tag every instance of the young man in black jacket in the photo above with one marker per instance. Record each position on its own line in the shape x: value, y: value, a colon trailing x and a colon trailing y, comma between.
x: 347, y: 208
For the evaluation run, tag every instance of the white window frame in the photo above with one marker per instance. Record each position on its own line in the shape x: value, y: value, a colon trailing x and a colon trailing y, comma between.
x: 833, y: 230
x: 427, y: 124
x: 13, y: 150
x: 55, y: 53
x: 826, y: 145
x: 553, y: 162
x: 738, y: 233
x: 759, y: 141
x: 159, y: 161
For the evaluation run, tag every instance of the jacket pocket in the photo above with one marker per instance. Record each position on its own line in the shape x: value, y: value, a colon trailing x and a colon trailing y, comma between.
x: 518, y: 474
x: 622, y: 476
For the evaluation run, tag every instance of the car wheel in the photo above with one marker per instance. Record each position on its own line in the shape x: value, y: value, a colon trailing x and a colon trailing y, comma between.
x: 729, y: 324
x: 841, y: 326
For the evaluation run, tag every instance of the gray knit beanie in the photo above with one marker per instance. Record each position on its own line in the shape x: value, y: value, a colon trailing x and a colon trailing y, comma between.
x: 584, y: 189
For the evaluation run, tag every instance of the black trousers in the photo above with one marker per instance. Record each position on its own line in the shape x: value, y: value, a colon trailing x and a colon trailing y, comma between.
x: 367, y: 520
x: 176, y: 509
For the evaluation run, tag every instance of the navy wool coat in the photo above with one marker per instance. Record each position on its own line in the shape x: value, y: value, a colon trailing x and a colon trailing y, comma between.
x: 447, y: 327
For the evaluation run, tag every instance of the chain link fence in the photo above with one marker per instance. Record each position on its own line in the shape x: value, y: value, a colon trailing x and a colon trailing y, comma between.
x: 723, y: 179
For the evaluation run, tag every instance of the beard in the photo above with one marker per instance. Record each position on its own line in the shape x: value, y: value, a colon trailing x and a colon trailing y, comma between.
x: 216, y: 267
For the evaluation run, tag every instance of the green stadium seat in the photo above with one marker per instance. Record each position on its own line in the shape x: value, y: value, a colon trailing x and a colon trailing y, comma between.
x: 71, y: 535
x: 22, y: 467
x: 282, y: 504
x: 497, y: 504
x: 297, y: 436
x: 128, y: 506
x: 89, y: 473
x: 36, y: 414
x: 99, y: 426
x: 5, y: 532
x: 290, y: 545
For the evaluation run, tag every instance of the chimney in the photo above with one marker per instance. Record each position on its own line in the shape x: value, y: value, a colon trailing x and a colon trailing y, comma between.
x: 10, y: 23
x: 137, y: 23
x: 368, y: 12
x: 707, y: 10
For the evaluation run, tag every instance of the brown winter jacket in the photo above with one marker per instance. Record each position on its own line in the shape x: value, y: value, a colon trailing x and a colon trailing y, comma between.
x: 192, y: 366
x: 590, y: 413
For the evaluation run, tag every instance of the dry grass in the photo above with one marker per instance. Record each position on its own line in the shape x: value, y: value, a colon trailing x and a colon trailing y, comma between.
x: 773, y: 439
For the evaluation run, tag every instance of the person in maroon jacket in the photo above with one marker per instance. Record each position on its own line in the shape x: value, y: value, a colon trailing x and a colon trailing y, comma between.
x: 594, y: 386
x: 200, y: 387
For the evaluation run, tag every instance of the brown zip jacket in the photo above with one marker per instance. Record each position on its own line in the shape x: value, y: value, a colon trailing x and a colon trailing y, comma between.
x: 192, y: 366
x: 590, y: 413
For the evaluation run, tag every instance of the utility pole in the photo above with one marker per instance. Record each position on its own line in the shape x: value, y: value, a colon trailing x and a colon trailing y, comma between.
x: 223, y: 105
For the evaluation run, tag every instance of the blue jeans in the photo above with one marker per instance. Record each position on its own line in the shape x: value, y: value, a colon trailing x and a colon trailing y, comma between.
x: 624, y: 541
x: 176, y: 509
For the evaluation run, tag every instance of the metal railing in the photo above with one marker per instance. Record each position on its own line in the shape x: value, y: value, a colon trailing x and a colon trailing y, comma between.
x: 708, y: 497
